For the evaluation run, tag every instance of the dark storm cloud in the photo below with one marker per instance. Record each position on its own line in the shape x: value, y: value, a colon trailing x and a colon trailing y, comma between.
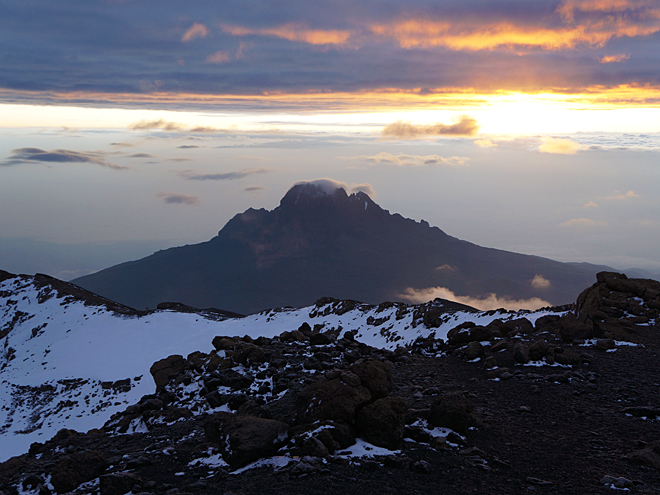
x: 22, y: 156
x: 110, y: 53
x: 240, y: 174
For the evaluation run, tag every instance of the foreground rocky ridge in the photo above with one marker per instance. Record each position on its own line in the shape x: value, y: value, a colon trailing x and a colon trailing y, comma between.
x: 568, y: 403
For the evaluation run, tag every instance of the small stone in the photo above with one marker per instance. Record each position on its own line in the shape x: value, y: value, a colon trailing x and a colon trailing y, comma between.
x: 422, y: 467
x: 617, y: 482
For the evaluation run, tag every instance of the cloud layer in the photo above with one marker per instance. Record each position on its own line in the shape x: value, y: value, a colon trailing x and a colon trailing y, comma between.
x: 492, y: 301
x: 404, y: 160
x: 59, y: 51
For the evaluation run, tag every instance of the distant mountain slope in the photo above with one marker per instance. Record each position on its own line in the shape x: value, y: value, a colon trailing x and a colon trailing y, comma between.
x: 322, y: 242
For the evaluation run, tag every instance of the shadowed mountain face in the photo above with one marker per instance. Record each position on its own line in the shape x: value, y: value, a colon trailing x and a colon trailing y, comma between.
x: 323, y: 242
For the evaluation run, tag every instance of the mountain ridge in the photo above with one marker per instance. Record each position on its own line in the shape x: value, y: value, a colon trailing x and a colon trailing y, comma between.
x: 318, y: 243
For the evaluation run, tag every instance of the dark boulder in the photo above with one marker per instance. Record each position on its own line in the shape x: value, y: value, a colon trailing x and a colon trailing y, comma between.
x: 77, y: 468
x: 232, y: 379
x: 474, y: 350
x: 374, y: 375
x: 319, y: 339
x: 460, y: 334
x: 245, y: 439
x: 165, y: 368
x: 453, y: 410
x: 247, y: 353
x: 330, y: 400
x: 538, y: 350
x: 519, y: 326
x: 521, y: 353
x: 382, y: 423
x: 118, y: 483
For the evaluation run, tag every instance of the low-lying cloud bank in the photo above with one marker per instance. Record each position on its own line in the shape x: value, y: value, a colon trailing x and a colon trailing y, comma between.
x: 492, y: 301
x: 404, y: 160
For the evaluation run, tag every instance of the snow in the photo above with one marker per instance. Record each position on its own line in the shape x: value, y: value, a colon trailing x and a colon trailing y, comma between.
x: 363, y: 449
x: 66, y: 354
x: 276, y: 462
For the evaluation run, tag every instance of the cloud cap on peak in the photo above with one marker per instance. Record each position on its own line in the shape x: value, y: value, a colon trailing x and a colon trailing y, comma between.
x: 327, y: 186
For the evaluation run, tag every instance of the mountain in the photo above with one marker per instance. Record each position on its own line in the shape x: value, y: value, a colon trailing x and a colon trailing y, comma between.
x: 319, y: 242
x: 71, y: 359
x: 338, y: 397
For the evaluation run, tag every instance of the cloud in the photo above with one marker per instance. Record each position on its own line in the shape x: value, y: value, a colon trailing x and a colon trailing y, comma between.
x: 590, y: 204
x: 255, y: 189
x: 403, y: 160
x: 144, y: 125
x: 188, y: 146
x: 576, y: 23
x: 559, y: 146
x: 179, y: 199
x: 294, y: 32
x: 165, y: 125
x: 610, y: 59
x: 492, y: 301
x: 218, y: 57
x: 329, y: 186
x: 540, y: 282
x: 197, y: 30
x: 581, y: 222
x: 22, y: 156
x: 240, y: 174
x: 447, y: 268
x: 466, y: 126
x: 365, y: 188
x: 621, y: 196
x: 485, y: 143
x: 141, y: 155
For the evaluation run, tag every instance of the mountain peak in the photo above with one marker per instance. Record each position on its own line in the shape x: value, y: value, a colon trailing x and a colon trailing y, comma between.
x: 322, y: 192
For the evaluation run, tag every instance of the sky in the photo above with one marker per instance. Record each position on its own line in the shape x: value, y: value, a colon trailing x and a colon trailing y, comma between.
x: 131, y: 126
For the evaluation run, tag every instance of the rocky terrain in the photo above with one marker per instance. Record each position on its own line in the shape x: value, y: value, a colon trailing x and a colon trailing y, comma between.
x: 563, y: 403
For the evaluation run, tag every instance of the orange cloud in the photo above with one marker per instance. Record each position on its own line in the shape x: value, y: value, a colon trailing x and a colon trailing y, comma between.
x: 590, y: 22
x: 540, y: 282
x: 295, y: 32
x: 618, y: 196
x: 609, y: 59
x: 569, y: 8
x: 581, y: 222
x: 485, y: 143
x: 197, y: 30
x: 559, y: 146
x: 467, y: 126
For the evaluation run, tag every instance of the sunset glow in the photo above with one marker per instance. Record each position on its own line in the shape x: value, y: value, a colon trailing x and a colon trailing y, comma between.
x: 496, y: 121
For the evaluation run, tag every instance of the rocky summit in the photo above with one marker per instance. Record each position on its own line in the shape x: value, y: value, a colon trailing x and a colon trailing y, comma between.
x: 320, y: 242
x: 562, y: 401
